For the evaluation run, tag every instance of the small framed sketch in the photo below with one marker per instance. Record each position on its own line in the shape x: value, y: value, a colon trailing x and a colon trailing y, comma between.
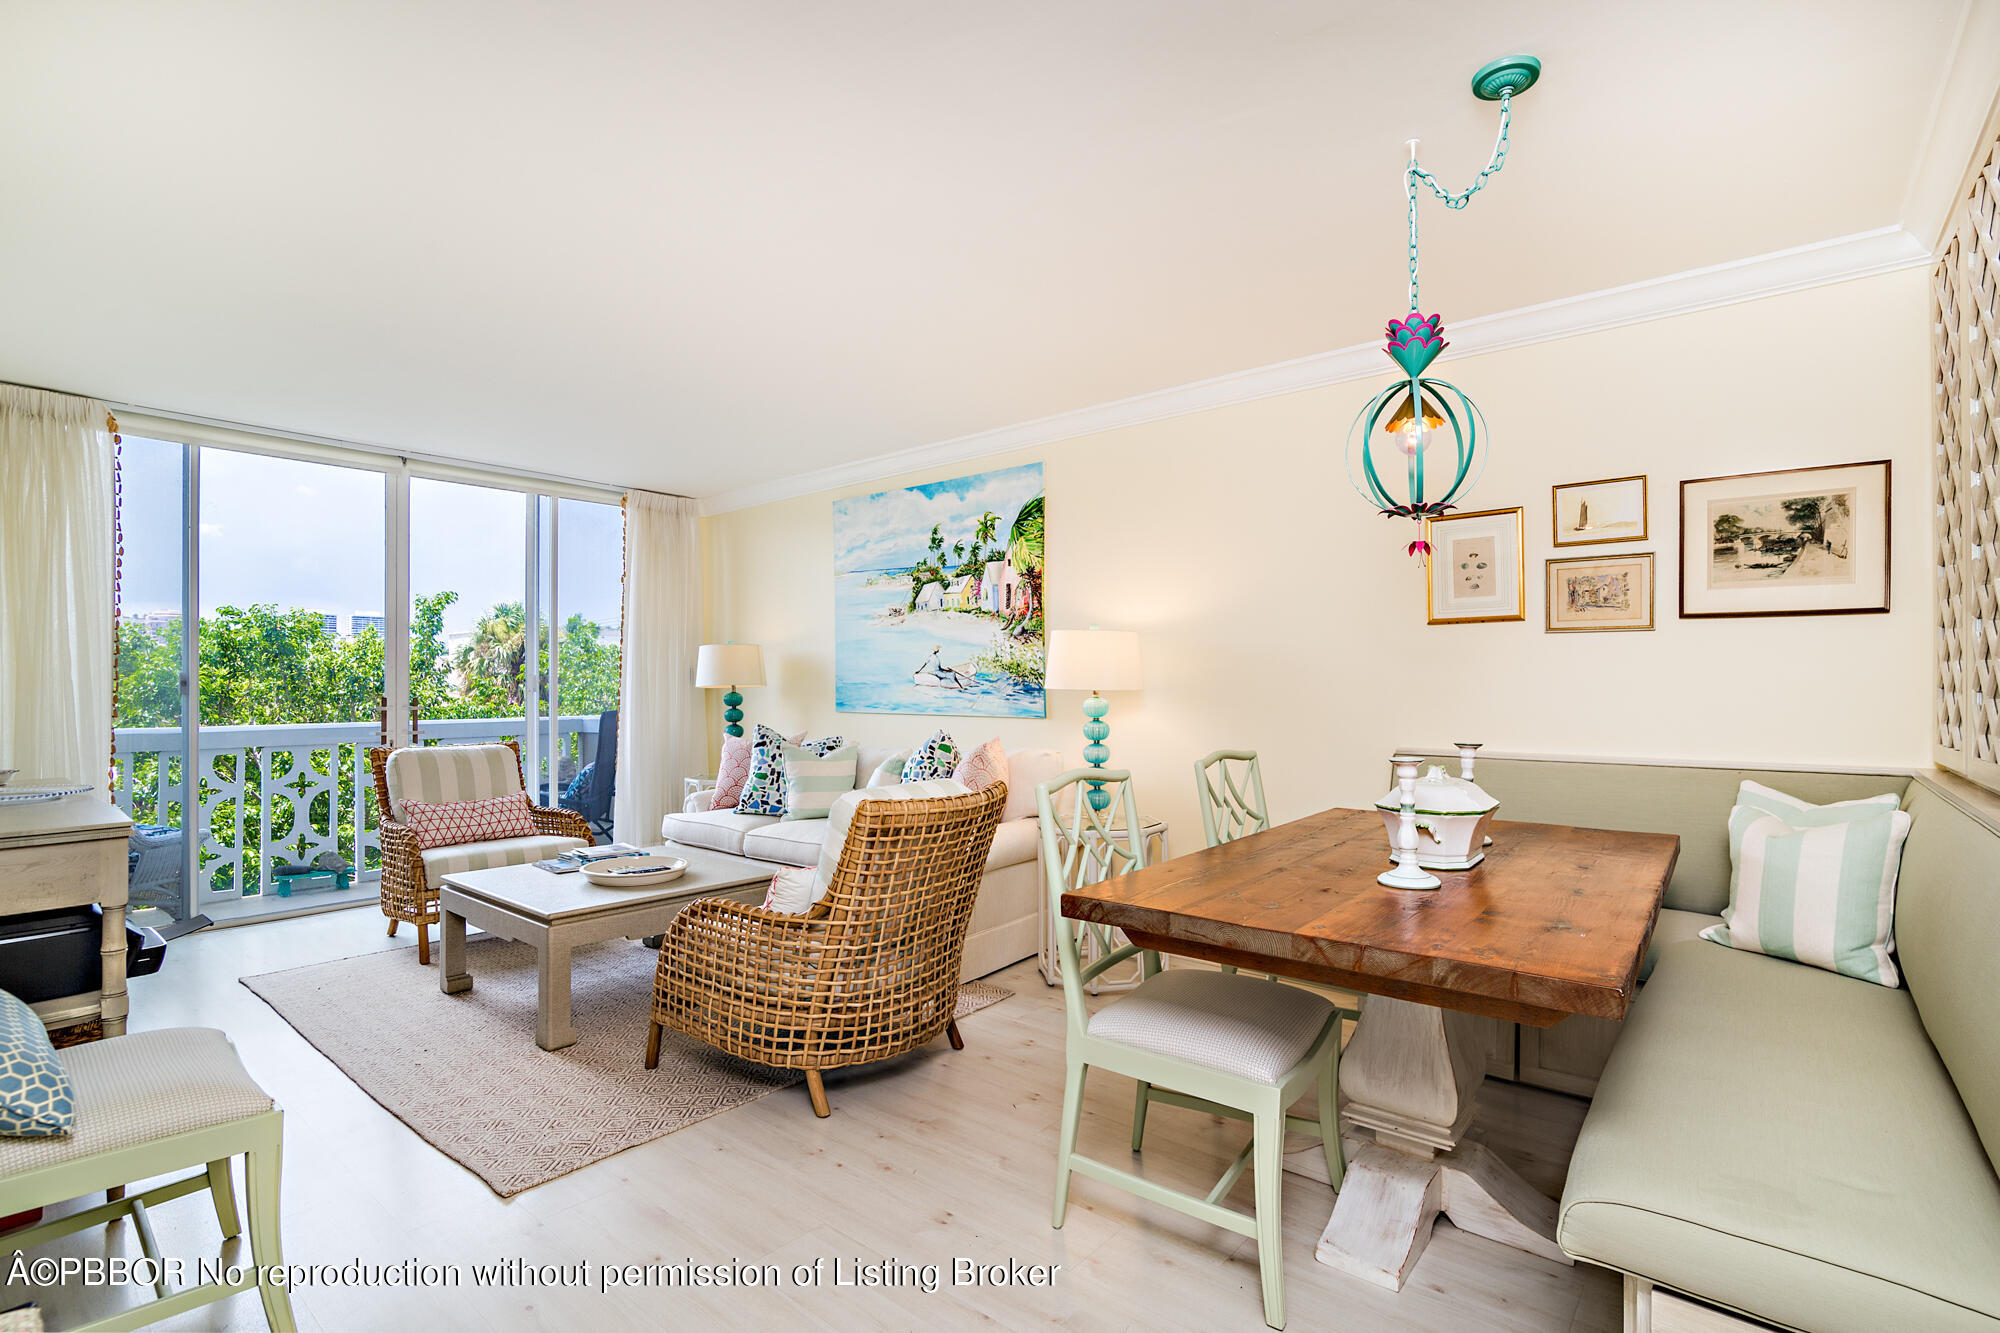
x: 1589, y: 512
x: 1600, y: 592
x: 1800, y: 542
x: 1475, y: 567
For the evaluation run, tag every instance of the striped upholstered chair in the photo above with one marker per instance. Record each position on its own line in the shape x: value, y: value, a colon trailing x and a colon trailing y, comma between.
x: 442, y: 773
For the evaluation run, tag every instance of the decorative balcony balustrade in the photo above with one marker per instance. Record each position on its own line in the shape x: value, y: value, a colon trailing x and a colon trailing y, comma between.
x: 268, y: 795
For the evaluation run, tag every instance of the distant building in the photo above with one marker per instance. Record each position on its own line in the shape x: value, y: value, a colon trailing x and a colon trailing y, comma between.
x: 153, y: 622
x: 331, y: 621
x: 357, y: 623
x: 958, y: 595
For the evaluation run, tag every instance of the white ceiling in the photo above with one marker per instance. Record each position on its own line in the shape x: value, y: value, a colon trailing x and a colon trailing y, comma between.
x: 697, y: 246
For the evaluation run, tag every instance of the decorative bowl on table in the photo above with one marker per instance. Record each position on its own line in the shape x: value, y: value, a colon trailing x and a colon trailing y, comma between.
x: 633, y: 872
x: 1452, y: 815
x: 6, y: 774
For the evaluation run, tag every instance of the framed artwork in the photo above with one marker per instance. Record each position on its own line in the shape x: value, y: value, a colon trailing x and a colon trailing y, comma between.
x: 937, y: 598
x: 1589, y: 512
x: 1600, y: 592
x: 1475, y: 567
x: 1797, y: 542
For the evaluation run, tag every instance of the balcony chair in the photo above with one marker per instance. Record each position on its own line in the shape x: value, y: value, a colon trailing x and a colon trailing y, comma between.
x: 1215, y: 1042
x: 594, y: 801
x: 410, y: 873
x: 870, y: 972
x: 148, y: 1104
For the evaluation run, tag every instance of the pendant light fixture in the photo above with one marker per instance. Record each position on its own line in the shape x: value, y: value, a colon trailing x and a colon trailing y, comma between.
x: 1420, y: 444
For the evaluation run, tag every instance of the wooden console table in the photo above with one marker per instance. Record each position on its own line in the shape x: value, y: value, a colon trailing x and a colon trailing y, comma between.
x: 71, y: 853
x: 1553, y: 923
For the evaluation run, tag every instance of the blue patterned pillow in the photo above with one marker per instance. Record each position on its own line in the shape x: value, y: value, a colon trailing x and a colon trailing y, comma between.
x: 764, y: 793
x: 935, y: 758
x: 35, y: 1101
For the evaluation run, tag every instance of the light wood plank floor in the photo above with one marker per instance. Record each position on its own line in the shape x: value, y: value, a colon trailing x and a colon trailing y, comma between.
x: 938, y: 1156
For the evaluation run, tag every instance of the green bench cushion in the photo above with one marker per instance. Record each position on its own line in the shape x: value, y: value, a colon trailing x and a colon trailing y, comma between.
x: 1948, y: 944
x: 1782, y: 1140
x: 1673, y: 927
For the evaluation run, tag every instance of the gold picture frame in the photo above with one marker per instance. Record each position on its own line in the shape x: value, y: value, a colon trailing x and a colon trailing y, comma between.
x: 1614, y: 491
x: 1585, y: 594
x: 1467, y: 570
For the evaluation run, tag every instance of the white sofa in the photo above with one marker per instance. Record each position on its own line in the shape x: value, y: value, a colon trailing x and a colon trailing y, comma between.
x: 1006, y: 921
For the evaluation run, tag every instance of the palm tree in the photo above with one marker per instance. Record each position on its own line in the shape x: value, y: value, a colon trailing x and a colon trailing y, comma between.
x: 1024, y: 549
x: 499, y: 648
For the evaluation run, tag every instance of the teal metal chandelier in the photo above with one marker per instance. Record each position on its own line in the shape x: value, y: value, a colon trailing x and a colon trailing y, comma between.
x: 1420, y: 444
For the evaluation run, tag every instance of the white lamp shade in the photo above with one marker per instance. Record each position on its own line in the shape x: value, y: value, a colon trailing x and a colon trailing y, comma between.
x: 721, y: 665
x: 1093, y: 659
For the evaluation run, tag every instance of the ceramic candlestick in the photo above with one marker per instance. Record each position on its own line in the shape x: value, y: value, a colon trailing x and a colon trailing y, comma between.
x: 1407, y: 874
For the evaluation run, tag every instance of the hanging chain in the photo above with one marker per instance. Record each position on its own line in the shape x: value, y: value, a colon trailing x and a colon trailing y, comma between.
x: 1414, y: 173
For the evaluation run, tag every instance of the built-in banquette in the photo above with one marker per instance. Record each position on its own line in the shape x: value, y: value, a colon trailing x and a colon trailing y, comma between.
x: 1811, y: 1150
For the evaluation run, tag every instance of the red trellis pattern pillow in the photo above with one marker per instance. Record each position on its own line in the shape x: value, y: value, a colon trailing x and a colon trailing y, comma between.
x: 453, y: 823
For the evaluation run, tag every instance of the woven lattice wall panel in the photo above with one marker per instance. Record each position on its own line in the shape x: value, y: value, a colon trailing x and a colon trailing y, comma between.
x: 1965, y: 387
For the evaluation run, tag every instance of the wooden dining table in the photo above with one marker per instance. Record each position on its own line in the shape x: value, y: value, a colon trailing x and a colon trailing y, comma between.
x: 1555, y: 921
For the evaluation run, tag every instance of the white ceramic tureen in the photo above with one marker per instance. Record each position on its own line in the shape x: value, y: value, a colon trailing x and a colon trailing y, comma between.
x: 1452, y: 815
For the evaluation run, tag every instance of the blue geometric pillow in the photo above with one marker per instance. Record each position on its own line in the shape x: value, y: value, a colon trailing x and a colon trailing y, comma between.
x: 935, y: 758
x: 35, y: 1101
x: 764, y: 793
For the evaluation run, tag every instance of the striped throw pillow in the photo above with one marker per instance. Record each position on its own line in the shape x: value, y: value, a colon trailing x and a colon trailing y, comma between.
x: 1815, y: 883
x: 813, y: 780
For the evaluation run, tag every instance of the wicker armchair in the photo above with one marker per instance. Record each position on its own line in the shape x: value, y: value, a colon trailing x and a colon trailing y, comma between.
x: 870, y: 972
x: 407, y: 893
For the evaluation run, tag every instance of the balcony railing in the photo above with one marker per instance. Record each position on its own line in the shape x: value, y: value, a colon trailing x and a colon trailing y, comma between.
x: 267, y: 795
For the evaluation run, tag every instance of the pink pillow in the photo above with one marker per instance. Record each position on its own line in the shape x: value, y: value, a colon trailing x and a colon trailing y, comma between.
x: 452, y: 823
x: 732, y: 772
x: 984, y: 766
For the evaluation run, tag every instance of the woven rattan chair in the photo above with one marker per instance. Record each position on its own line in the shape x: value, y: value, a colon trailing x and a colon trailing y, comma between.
x: 407, y: 893
x: 870, y: 972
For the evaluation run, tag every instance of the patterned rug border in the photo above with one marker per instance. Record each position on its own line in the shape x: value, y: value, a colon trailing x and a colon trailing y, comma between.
x: 974, y: 996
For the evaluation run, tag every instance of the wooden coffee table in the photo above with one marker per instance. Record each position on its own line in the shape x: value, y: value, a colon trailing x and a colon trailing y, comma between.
x: 1555, y: 922
x: 557, y: 913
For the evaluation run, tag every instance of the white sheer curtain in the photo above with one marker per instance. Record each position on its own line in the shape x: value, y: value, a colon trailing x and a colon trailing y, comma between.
x: 661, y: 721
x: 55, y: 586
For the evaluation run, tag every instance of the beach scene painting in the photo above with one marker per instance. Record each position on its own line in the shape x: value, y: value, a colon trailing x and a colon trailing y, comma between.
x: 1589, y: 513
x: 938, y: 595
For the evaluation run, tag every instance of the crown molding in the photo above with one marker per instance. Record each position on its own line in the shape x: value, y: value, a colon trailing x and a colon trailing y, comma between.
x: 1964, y: 119
x: 1860, y: 255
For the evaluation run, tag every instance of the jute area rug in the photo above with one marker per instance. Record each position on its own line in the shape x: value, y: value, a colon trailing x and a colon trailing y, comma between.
x: 464, y: 1072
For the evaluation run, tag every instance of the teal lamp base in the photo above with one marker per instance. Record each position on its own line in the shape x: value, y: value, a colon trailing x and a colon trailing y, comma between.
x: 1095, y: 751
x: 732, y: 712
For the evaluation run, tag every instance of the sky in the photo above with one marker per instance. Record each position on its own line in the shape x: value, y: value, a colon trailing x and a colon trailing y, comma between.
x: 310, y: 535
x: 892, y: 529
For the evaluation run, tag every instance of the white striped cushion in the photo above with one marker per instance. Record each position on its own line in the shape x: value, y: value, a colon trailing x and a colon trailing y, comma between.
x: 440, y: 773
x: 813, y: 781
x: 1815, y: 883
x: 442, y: 861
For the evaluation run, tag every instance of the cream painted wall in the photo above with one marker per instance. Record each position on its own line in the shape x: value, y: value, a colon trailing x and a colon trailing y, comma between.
x: 1278, y: 612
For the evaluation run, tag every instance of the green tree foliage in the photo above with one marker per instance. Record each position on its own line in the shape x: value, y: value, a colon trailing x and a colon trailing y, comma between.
x: 261, y: 666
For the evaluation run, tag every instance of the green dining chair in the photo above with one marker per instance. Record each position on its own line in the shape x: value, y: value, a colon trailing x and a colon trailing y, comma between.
x: 1231, y: 787
x: 1214, y: 1042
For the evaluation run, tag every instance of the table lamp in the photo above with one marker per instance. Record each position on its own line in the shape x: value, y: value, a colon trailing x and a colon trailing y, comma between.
x: 724, y: 666
x: 1094, y: 659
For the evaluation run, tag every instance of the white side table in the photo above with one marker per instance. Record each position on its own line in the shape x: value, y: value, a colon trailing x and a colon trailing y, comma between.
x: 1154, y: 835
x: 689, y: 786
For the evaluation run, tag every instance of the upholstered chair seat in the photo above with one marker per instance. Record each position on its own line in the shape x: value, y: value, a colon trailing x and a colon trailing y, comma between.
x: 1233, y: 1024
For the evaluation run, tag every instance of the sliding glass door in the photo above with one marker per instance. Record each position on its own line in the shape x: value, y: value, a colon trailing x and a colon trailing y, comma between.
x: 150, y: 765
x: 317, y: 586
